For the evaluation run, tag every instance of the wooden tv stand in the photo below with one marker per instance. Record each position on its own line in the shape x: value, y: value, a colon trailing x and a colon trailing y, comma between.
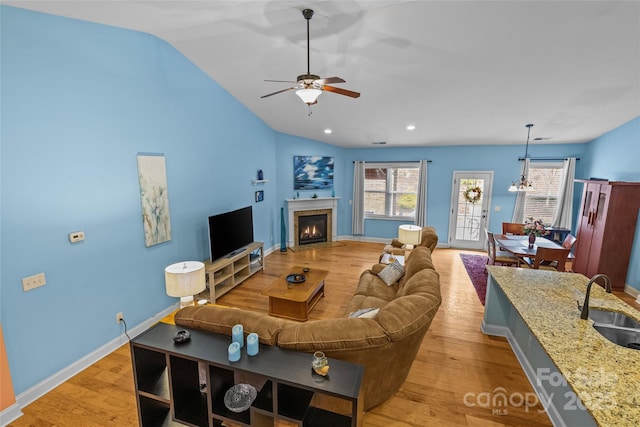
x: 225, y: 274
x: 185, y: 384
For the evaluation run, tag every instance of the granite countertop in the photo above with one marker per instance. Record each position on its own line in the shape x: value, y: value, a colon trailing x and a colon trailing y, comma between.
x: 605, y: 376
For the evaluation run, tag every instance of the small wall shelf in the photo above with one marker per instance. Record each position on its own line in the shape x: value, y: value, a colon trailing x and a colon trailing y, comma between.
x: 259, y: 181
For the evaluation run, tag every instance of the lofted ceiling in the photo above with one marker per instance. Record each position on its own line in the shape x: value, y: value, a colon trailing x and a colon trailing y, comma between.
x: 461, y: 72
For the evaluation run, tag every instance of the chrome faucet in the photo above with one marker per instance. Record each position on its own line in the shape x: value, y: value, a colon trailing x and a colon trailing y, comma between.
x: 584, y: 313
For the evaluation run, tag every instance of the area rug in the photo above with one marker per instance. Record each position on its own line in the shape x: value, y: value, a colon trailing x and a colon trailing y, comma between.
x: 475, y: 266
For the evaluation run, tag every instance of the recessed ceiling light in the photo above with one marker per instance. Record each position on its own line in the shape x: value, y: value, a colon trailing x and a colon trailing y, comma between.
x: 411, y: 127
x: 328, y: 131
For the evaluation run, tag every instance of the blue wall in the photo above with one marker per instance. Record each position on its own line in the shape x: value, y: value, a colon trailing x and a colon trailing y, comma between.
x: 616, y: 157
x: 502, y: 160
x: 80, y: 100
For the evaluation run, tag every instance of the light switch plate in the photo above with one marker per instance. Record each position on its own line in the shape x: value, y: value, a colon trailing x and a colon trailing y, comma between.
x: 32, y: 282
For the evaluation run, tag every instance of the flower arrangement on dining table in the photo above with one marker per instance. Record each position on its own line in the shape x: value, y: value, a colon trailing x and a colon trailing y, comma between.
x: 535, y: 227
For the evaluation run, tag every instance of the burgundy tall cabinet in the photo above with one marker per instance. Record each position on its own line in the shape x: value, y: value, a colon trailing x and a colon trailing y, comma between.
x: 606, y: 227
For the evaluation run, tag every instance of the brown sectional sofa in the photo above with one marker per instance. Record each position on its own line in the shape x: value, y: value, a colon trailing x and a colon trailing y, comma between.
x: 386, y: 345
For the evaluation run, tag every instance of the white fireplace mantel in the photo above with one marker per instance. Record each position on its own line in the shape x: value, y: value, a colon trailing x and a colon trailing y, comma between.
x: 295, y: 205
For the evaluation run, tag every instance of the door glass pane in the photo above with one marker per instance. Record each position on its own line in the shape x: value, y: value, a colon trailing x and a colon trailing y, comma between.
x: 469, y: 215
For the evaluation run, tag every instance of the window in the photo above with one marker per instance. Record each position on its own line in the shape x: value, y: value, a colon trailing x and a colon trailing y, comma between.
x: 390, y: 190
x: 542, y: 200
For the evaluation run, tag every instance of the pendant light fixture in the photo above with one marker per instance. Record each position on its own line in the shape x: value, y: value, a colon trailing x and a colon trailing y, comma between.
x: 523, y: 184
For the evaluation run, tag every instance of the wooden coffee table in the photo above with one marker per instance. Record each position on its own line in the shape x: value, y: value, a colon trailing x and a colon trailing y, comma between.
x: 295, y: 300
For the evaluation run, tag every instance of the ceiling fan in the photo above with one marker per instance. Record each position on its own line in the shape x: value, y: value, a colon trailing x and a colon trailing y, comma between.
x: 309, y: 86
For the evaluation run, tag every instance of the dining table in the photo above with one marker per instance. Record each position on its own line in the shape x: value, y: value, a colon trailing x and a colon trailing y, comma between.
x: 519, y: 245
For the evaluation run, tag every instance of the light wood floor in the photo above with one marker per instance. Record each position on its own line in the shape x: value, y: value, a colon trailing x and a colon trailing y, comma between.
x: 455, y: 368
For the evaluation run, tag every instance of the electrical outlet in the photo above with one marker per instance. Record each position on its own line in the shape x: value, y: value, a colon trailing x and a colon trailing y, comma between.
x: 119, y: 317
x: 32, y: 282
x: 76, y: 236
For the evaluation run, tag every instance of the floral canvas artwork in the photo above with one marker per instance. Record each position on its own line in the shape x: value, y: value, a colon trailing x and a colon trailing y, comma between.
x: 155, y: 199
x: 312, y: 172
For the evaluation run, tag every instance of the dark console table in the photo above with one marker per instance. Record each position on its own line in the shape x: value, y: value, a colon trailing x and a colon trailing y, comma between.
x: 185, y: 384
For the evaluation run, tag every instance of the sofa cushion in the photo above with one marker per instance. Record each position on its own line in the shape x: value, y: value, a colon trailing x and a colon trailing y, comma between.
x: 220, y: 319
x: 409, y: 314
x: 333, y: 334
x: 416, y: 284
x: 372, y: 285
x: 419, y: 259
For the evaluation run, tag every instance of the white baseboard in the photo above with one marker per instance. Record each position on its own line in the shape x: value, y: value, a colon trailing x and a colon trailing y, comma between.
x: 10, y: 414
x: 45, y: 386
x: 630, y: 290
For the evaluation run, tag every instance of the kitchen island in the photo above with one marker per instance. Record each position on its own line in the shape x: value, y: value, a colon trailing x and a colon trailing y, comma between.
x: 580, y: 377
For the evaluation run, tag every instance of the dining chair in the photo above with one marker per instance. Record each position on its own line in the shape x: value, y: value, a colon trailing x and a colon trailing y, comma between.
x: 548, y: 259
x: 497, y: 256
x: 514, y: 228
x: 569, y: 241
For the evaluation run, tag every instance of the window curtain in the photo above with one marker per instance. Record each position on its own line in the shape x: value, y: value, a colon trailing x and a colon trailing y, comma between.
x: 357, y: 213
x: 564, y: 209
x: 421, y: 199
x: 518, y: 210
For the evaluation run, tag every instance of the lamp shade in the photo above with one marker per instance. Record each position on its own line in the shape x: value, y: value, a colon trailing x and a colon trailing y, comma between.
x: 410, y: 234
x: 309, y: 96
x: 185, y: 278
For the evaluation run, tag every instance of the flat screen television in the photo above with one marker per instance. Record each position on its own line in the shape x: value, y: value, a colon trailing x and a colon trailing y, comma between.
x: 229, y: 232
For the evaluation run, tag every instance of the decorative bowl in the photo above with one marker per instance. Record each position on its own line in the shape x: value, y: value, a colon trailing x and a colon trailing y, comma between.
x: 296, y: 278
x: 240, y: 397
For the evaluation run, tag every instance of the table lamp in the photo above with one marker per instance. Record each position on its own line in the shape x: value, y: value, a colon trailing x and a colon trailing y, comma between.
x: 184, y: 280
x: 410, y: 235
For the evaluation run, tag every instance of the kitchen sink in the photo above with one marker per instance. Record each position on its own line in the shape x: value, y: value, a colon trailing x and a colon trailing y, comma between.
x: 624, y: 337
x: 613, y: 318
x: 616, y: 327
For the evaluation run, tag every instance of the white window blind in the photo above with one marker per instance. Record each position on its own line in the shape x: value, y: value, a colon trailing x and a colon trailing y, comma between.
x: 542, y: 200
x: 390, y: 190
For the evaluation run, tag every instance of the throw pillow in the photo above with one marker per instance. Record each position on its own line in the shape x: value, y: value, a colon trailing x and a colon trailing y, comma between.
x: 391, y: 273
x: 365, y: 313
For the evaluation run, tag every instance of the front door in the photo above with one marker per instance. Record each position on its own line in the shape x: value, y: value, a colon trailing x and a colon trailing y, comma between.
x: 470, y: 201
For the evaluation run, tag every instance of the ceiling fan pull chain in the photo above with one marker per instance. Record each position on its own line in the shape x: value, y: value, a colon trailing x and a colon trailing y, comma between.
x: 310, y: 111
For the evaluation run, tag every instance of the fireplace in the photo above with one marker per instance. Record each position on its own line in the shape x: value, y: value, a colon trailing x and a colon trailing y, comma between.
x: 312, y: 229
x: 312, y: 207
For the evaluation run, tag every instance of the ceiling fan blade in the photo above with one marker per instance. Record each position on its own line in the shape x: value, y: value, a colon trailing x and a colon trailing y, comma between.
x: 280, y: 81
x: 280, y: 91
x: 329, y: 80
x: 340, y: 91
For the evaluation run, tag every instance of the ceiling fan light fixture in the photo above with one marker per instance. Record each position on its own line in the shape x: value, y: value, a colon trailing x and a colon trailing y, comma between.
x: 309, y: 86
x: 522, y: 185
x: 309, y: 96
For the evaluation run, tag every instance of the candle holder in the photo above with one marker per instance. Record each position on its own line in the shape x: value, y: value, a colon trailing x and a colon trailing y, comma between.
x: 320, y: 363
x: 237, y: 335
x: 253, y: 346
x: 234, y: 352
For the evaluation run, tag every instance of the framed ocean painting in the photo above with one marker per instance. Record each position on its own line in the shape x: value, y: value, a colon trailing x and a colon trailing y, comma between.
x: 312, y: 172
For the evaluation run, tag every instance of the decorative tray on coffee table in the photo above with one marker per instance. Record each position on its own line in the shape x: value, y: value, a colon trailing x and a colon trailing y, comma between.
x: 296, y: 278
